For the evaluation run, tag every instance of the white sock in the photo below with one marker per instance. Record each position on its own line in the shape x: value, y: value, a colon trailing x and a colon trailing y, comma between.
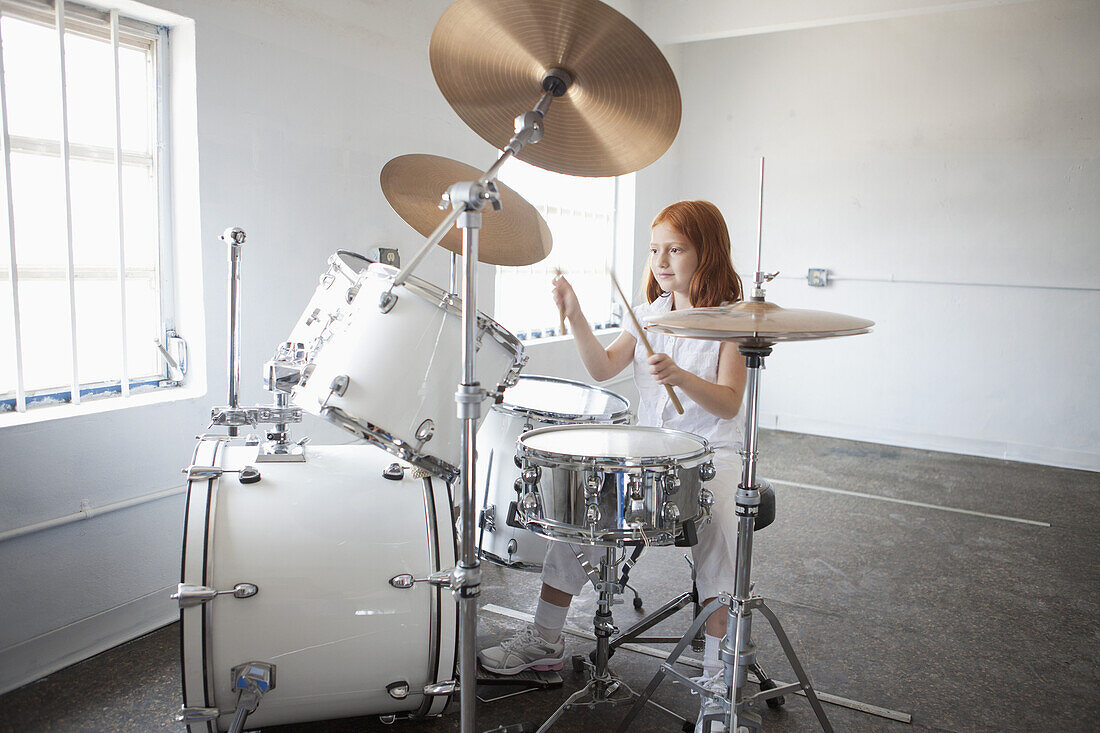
x: 711, y: 665
x: 550, y: 620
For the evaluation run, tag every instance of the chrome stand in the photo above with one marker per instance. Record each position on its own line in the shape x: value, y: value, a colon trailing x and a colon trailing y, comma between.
x: 738, y: 653
x: 466, y: 201
x: 604, y: 687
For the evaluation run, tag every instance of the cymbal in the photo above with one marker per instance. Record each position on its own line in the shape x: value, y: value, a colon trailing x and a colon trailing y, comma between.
x: 621, y: 112
x: 514, y: 236
x: 757, y: 323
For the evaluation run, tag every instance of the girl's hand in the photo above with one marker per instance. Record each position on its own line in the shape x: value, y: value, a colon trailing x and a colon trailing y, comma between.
x: 665, y: 371
x: 564, y: 297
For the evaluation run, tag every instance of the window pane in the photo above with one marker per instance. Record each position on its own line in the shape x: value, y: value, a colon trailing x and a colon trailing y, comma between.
x: 32, y: 78
x: 99, y: 340
x: 93, y: 187
x: 7, y: 340
x: 139, y: 199
x: 142, y: 327
x: 135, y: 96
x: 38, y: 188
x: 44, y: 323
x: 90, y: 85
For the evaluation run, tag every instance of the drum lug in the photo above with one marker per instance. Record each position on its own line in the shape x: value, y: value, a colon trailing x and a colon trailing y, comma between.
x: 387, y: 302
x: 189, y: 594
x: 313, y: 316
x: 672, y: 484
x: 706, y: 471
x: 488, y: 520
x: 513, y: 546
x: 398, y: 690
x: 188, y: 715
x: 393, y: 472
x: 441, y: 578
x: 339, y: 385
x: 670, y: 512
x: 440, y: 689
x: 352, y: 292
x: 426, y: 430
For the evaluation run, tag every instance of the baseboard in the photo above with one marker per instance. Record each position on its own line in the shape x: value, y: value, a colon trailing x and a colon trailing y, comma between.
x: 35, y: 658
x: 1045, y: 455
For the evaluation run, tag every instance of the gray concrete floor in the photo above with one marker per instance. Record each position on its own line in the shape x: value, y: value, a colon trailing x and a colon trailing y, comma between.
x: 966, y: 622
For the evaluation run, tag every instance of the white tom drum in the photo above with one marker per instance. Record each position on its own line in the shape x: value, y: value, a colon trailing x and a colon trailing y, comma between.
x: 313, y: 564
x: 388, y: 372
x: 534, y: 402
x: 612, y: 484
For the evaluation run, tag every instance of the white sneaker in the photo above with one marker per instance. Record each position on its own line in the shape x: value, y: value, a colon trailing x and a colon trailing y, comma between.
x: 526, y: 650
x: 714, y: 684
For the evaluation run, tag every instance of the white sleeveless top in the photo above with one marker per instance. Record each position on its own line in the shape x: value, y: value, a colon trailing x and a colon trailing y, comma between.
x: 696, y: 356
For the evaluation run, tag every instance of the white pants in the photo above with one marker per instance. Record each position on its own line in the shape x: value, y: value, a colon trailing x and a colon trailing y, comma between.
x: 713, y: 555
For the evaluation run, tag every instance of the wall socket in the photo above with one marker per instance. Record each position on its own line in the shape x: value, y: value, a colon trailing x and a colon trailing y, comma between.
x: 817, y: 277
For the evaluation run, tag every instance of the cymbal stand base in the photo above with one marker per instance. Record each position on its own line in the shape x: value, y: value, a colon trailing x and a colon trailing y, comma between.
x: 604, y: 688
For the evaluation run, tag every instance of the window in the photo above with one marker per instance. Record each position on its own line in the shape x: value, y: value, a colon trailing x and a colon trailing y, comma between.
x: 584, y: 217
x: 83, y: 291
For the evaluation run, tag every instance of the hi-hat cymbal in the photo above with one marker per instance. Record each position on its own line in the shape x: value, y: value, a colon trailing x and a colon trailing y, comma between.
x: 621, y: 112
x: 757, y: 323
x: 516, y: 235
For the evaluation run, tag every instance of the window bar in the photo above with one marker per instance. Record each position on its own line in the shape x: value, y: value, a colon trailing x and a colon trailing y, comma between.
x: 13, y: 272
x: 70, y: 272
x: 124, y: 377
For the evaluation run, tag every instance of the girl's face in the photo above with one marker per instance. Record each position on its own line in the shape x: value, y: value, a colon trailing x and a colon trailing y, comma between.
x: 672, y: 258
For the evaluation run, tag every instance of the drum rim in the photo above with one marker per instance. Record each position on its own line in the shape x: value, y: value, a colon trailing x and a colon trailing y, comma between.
x: 614, y: 463
x: 336, y: 260
x: 440, y: 298
x: 563, y: 417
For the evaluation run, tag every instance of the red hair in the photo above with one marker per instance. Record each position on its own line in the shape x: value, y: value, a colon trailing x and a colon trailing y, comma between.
x: 715, y: 281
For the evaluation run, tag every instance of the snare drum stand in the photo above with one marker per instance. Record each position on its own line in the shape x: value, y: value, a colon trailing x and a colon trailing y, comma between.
x: 604, y: 687
x: 737, y: 652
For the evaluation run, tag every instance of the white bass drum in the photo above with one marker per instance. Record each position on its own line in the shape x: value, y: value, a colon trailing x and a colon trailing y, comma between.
x: 314, y: 546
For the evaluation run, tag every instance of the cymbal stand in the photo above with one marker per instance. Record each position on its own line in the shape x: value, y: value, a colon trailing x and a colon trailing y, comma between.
x: 737, y: 651
x: 466, y: 200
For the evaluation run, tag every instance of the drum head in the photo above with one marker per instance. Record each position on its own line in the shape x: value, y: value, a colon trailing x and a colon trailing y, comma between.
x: 550, y: 399
x: 612, y: 442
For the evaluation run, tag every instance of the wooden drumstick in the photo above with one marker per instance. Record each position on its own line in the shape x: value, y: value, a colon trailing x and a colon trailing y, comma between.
x: 561, y: 309
x: 645, y: 342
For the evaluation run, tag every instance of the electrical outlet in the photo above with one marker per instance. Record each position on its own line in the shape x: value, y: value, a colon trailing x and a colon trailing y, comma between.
x: 817, y: 277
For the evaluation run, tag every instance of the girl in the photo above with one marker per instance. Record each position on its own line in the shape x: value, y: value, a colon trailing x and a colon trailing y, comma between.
x: 689, y: 266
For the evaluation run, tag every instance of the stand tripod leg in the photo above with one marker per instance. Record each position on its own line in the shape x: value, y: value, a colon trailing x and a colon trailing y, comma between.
x: 800, y: 673
x: 666, y: 666
x: 653, y: 619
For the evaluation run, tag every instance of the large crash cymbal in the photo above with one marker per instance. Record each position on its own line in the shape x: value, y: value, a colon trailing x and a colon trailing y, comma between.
x: 516, y: 235
x: 621, y: 112
x: 758, y: 323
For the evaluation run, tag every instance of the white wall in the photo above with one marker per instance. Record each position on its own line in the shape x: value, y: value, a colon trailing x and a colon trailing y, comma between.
x: 299, y: 107
x: 959, y: 147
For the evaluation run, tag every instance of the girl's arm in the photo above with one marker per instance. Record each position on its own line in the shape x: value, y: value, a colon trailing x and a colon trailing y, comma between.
x: 722, y: 398
x: 602, y: 364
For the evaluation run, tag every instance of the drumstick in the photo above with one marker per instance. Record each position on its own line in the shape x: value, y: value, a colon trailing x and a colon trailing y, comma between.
x: 645, y: 342
x: 561, y: 309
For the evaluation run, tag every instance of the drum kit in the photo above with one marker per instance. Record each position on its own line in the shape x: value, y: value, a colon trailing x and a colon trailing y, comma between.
x: 313, y: 577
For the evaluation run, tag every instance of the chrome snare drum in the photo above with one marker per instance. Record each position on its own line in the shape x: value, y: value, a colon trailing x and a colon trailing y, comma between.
x: 611, y: 484
x: 388, y: 373
x: 534, y: 402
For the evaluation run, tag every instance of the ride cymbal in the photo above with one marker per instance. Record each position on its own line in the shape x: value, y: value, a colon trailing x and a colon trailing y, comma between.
x: 516, y: 235
x: 757, y: 323
x: 621, y: 112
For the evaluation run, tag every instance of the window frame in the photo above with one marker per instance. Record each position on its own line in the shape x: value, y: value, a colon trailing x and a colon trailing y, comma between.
x: 153, y: 40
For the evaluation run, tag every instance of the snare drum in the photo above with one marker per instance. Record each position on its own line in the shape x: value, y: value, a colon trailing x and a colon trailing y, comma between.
x: 534, y: 402
x: 388, y: 373
x: 612, y: 484
x: 312, y: 549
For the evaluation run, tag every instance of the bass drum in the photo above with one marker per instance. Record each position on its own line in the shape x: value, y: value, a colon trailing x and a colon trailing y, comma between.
x: 534, y: 402
x: 312, y: 549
